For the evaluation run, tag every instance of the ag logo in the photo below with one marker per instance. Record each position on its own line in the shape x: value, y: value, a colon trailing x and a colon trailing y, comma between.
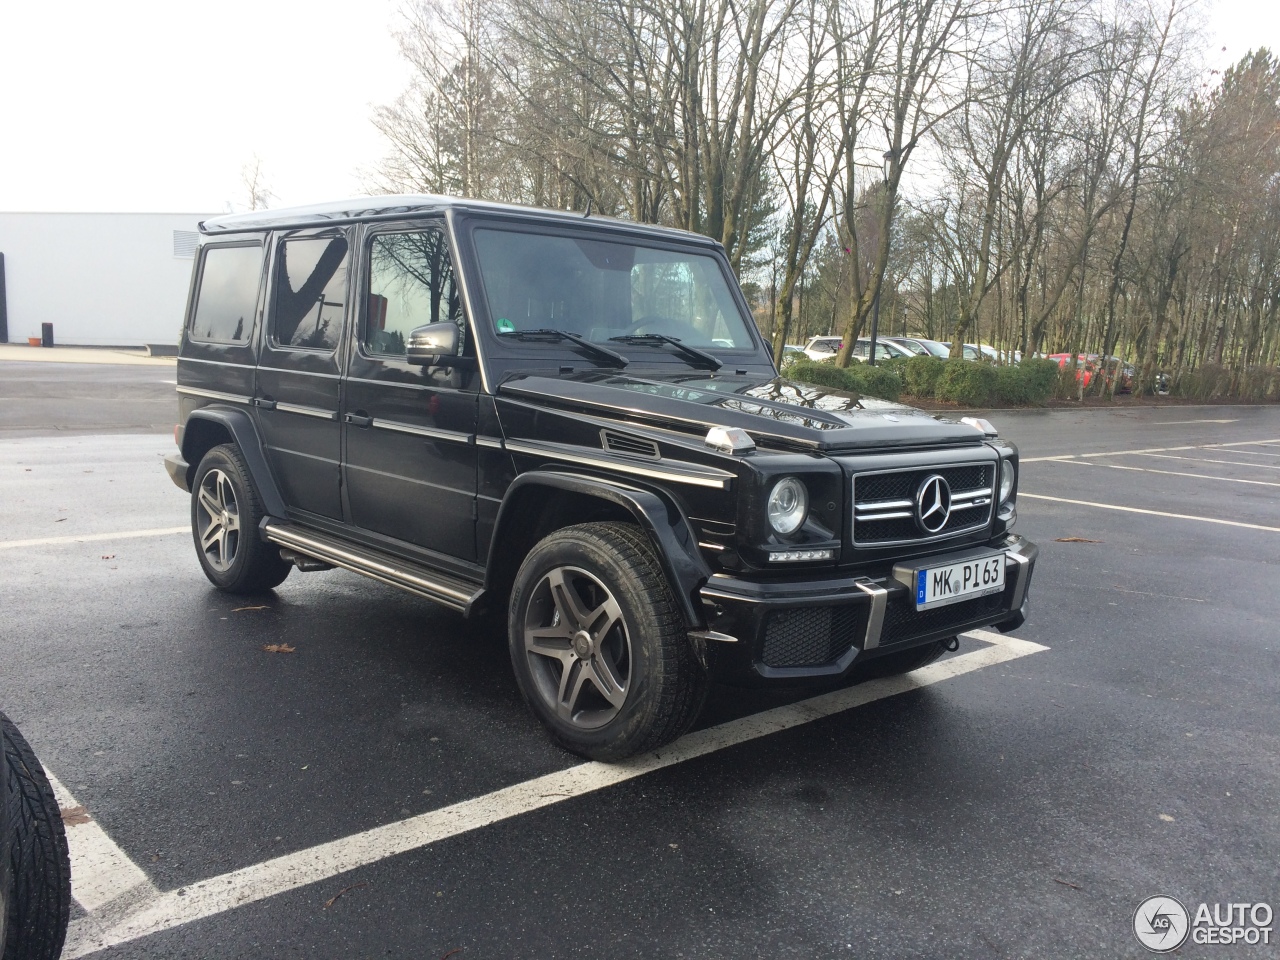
x: 1161, y: 924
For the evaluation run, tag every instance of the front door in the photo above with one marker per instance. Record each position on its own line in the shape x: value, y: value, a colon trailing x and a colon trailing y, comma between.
x: 298, y: 384
x: 410, y: 458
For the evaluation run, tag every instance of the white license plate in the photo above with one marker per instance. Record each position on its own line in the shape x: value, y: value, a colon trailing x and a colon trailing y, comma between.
x: 938, y: 586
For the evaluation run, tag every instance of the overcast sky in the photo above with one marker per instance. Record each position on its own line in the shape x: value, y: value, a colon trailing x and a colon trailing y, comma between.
x: 156, y: 106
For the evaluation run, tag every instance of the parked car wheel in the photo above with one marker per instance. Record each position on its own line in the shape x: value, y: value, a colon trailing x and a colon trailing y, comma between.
x: 904, y: 661
x: 598, y: 644
x: 38, y: 900
x: 225, y: 513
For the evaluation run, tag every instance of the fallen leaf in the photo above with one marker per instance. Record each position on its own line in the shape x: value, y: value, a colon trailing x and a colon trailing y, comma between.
x: 1166, y: 818
x: 451, y: 953
x: 355, y: 886
x: 75, y: 815
x: 1067, y: 883
x: 1076, y: 540
x: 238, y: 609
x: 278, y: 648
x: 108, y: 556
x: 60, y: 519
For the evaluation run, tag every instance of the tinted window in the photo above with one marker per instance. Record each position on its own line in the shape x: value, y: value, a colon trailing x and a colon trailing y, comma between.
x: 228, y: 296
x: 411, y: 284
x: 311, y: 292
x: 604, y: 288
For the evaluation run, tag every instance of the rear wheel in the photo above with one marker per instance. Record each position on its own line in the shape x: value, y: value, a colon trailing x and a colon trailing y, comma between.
x: 598, y: 645
x: 225, y: 513
x: 39, y: 902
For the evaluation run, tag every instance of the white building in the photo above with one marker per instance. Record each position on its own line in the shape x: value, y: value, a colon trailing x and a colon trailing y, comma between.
x: 101, y: 279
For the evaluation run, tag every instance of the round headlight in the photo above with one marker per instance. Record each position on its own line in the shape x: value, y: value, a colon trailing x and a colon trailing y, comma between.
x: 1006, y: 480
x: 788, y: 505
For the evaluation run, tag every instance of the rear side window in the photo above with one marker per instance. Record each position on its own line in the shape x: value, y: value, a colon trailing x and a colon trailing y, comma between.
x: 311, y: 292
x: 228, y: 294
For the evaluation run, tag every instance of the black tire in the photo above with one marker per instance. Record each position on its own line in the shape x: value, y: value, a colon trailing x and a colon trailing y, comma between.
x: 904, y: 661
x: 626, y: 635
x: 225, y: 513
x: 40, y: 899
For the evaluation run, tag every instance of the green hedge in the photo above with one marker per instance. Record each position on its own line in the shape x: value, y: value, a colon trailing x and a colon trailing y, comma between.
x: 857, y: 378
x: 1029, y: 383
x: 922, y: 375
x: 967, y: 383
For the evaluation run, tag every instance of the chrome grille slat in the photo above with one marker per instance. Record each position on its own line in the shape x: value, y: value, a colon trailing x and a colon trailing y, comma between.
x: 888, y: 520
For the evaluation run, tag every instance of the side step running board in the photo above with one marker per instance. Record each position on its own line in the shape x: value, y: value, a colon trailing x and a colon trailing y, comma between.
x: 390, y: 570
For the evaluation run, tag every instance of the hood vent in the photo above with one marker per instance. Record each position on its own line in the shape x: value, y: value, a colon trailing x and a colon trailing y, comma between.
x: 616, y: 442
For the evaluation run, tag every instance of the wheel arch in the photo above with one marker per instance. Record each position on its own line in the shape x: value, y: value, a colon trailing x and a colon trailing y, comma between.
x: 541, y: 501
x: 210, y: 426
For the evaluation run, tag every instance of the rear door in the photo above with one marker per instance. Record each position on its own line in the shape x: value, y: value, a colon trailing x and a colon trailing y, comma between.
x: 410, y: 455
x: 298, y: 388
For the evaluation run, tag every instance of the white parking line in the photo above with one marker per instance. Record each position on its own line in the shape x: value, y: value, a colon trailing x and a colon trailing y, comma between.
x: 1171, y: 473
x: 1117, y: 453
x: 92, y: 537
x: 219, y: 894
x: 1228, y: 463
x: 1174, y: 423
x: 1153, y: 513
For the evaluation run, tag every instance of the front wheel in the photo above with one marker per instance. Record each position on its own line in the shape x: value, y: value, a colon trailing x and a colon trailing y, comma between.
x: 598, y: 645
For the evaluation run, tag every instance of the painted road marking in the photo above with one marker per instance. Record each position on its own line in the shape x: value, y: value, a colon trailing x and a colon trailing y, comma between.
x: 102, y: 875
x: 219, y: 894
x: 1153, y: 513
x: 1172, y: 473
x: 1172, y: 423
x: 1117, y: 453
x: 92, y: 537
x: 1229, y: 463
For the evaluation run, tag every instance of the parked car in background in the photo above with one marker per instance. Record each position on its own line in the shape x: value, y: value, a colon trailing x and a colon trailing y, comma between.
x: 35, y: 866
x: 791, y: 352
x: 885, y: 350
x: 822, y: 348
x: 921, y: 346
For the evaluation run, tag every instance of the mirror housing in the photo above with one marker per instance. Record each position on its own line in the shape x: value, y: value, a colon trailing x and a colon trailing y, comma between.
x: 432, y: 345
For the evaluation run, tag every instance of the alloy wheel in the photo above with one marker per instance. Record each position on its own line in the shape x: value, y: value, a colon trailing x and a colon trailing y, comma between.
x: 218, y: 520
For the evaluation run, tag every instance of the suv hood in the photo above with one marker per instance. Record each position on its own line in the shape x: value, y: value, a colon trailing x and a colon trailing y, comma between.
x: 777, y: 412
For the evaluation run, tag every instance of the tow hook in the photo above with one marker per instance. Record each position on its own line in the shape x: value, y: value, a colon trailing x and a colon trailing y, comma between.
x: 952, y: 644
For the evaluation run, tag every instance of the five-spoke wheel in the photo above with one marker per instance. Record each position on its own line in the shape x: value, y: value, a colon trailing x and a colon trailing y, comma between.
x: 225, y: 513
x: 598, y: 645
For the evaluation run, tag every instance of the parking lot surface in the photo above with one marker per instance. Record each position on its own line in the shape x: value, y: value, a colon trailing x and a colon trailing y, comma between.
x: 379, y: 790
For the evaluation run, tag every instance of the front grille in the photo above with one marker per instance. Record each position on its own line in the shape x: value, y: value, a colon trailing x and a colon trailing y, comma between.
x: 902, y: 622
x: 892, y: 496
x: 812, y: 636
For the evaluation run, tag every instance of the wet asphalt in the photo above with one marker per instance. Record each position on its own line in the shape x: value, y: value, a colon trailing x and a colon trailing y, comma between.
x: 1021, y: 810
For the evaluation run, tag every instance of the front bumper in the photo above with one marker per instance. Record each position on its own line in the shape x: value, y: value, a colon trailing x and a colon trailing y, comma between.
x: 771, y: 631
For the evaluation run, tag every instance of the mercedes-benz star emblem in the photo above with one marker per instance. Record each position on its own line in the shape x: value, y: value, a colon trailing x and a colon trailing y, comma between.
x: 933, y: 504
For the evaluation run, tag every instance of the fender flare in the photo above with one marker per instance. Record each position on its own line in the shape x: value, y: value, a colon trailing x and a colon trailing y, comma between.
x: 245, y: 435
x: 675, y: 542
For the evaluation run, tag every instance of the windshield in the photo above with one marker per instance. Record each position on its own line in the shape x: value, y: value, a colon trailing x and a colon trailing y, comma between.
x: 601, y: 289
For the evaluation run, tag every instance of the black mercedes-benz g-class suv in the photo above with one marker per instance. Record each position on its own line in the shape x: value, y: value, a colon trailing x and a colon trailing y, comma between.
x: 574, y: 422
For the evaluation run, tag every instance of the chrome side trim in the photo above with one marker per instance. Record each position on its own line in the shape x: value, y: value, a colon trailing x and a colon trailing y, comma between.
x: 215, y: 395
x: 493, y: 443
x: 317, y: 412
x: 711, y: 546
x: 700, y: 477
x: 875, y: 616
x: 444, y: 593
x: 303, y: 373
x: 456, y: 436
x: 712, y: 635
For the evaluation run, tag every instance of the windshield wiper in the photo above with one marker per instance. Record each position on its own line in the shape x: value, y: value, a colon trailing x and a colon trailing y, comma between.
x: 692, y: 353
x: 597, y: 351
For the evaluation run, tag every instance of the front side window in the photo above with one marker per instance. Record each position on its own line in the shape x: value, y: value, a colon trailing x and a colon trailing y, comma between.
x: 600, y: 289
x: 411, y: 284
x: 228, y: 296
x: 311, y: 292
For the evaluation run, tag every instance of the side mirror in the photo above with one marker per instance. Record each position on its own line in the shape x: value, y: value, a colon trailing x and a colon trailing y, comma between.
x: 432, y: 345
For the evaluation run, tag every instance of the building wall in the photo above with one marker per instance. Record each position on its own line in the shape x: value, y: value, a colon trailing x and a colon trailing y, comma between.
x: 103, y: 279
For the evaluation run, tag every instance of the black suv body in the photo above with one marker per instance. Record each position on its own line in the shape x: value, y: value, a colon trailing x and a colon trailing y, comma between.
x: 573, y: 422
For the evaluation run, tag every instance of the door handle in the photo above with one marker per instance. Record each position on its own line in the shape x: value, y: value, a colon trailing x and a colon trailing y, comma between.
x: 266, y: 403
x: 358, y: 419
